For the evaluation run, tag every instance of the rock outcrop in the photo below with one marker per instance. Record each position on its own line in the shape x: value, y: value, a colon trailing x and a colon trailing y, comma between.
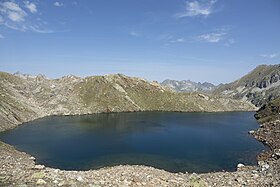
x: 258, y: 87
x: 269, y: 134
x: 269, y: 131
x: 269, y: 111
x: 24, y: 98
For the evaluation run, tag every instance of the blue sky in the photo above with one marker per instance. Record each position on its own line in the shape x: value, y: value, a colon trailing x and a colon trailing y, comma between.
x: 214, y: 40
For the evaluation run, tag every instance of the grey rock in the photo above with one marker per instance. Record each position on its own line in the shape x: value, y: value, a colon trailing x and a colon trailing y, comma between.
x: 80, y: 179
x: 39, y: 167
x: 41, y: 182
x: 263, y: 165
x: 277, y: 152
x: 240, y: 165
x: 251, y: 132
x: 32, y: 158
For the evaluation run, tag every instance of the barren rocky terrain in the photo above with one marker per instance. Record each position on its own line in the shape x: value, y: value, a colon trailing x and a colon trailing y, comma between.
x: 26, y: 98
x: 259, y: 86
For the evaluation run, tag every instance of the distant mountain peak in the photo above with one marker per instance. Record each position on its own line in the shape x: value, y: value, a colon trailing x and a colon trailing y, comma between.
x: 23, y: 75
x: 188, y: 86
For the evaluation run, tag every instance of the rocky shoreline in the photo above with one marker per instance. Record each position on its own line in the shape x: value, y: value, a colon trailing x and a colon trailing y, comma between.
x: 19, y: 169
x: 24, y: 99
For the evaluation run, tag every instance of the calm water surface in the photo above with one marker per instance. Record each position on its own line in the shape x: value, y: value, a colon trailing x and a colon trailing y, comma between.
x: 176, y: 142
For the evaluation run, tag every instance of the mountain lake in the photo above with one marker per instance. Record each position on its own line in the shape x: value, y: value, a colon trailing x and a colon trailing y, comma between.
x: 175, y: 142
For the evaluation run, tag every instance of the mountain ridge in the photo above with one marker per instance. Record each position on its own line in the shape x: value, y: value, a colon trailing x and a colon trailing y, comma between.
x: 188, y: 86
x: 259, y: 86
x: 25, y: 99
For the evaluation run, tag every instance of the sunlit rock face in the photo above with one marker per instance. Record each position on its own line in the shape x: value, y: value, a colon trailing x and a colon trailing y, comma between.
x: 258, y: 87
x: 188, y: 86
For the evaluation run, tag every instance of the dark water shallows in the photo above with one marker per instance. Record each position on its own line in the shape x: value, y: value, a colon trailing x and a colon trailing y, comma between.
x: 176, y: 142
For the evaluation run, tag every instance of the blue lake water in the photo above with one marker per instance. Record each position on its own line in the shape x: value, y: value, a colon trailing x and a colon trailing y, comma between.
x: 176, y: 142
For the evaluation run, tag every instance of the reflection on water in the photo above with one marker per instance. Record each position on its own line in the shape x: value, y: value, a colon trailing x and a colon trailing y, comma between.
x: 177, y: 142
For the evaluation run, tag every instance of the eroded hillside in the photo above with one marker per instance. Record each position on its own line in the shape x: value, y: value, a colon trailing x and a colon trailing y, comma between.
x: 24, y: 98
x: 258, y: 87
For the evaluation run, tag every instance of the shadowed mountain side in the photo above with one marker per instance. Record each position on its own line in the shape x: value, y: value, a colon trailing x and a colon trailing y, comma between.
x: 269, y: 112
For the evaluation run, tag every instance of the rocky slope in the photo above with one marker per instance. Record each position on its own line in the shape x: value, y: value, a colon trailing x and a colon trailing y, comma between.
x: 24, y: 98
x: 258, y: 87
x: 188, y: 86
x: 269, y: 134
x: 269, y: 131
x: 269, y: 111
x: 19, y: 169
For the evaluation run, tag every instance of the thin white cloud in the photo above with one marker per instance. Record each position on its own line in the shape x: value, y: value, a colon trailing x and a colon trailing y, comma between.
x: 198, y: 8
x: 13, y: 11
x: 1, y: 20
x: 39, y: 30
x: 166, y: 37
x: 1, y: 36
x: 212, y: 37
x: 58, y: 4
x: 178, y: 40
x: 136, y: 34
x: 170, y: 39
x: 13, y: 16
x: 229, y: 42
x: 15, y: 26
x: 30, y: 6
x: 272, y: 55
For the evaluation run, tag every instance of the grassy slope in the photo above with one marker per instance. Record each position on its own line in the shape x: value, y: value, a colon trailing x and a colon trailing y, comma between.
x: 24, y: 99
x: 137, y: 94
